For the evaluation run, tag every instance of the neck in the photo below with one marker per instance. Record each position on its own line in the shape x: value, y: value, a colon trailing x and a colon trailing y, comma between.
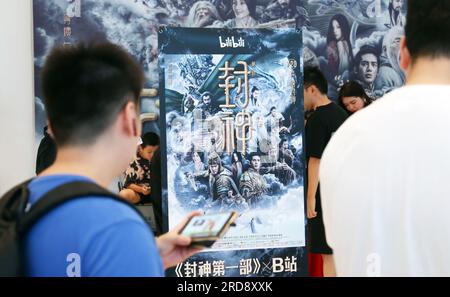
x: 242, y: 16
x: 427, y: 71
x: 96, y: 162
x: 322, y: 100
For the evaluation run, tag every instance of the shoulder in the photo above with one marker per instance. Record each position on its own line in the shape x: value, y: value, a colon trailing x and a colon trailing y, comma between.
x: 101, y: 232
x: 91, y: 213
x: 339, y: 110
x: 363, y: 127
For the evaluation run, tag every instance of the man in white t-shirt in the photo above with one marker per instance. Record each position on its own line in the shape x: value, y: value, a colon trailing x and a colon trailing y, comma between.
x: 385, y: 173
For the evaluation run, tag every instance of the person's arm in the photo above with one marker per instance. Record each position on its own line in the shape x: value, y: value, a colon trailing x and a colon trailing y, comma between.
x: 313, y: 183
x: 139, y: 189
x: 316, y: 141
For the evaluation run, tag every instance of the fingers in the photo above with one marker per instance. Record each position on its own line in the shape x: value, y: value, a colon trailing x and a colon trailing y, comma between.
x: 311, y: 214
x: 182, y: 240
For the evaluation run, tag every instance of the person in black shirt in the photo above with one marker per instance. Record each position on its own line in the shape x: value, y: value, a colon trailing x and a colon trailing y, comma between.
x: 137, y: 182
x: 46, y: 154
x: 320, y: 126
x: 155, y: 182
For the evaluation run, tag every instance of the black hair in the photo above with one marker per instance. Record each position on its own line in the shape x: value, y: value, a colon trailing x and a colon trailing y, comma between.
x: 254, y: 88
x: 353, y: 89
x: 345, y: 28
x: 251, y: 5
x: 427, y: 28
x: 283, y: 140
x: 85, y: 86
x: 366, y: 49
x: 313, y: 76
x: 392, y: 11
x: 251, y: 155
x: 204, y: 94
x: 150, y: 138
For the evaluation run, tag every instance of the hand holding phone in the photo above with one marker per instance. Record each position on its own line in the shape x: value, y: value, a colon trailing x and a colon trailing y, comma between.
x: 206, y: 229
x: 174, y: 247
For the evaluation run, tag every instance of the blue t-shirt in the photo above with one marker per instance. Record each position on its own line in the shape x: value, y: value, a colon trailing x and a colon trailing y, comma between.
x: 89, y: 237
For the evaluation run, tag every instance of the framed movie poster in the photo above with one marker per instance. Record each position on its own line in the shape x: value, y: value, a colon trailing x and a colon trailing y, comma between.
x: 233, y: 112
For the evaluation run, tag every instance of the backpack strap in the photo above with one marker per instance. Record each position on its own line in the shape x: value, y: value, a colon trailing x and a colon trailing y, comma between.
x: 64, y: 193
x: 13, y: 203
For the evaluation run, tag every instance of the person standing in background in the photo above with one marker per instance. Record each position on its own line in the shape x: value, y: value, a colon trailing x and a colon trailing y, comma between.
x: 46, y: 154
x: 352, y: 97
x: 320, y: 126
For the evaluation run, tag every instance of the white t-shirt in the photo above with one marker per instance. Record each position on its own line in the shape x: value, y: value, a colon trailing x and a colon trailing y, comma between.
x: 385, y: 185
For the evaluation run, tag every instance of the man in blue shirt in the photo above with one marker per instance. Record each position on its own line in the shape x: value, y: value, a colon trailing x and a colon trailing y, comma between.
x: 91, y: 95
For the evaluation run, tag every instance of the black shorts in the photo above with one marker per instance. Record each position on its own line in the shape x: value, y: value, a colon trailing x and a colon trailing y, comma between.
x: 317, y: 240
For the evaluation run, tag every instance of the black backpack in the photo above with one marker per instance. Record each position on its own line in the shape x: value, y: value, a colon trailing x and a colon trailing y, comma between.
x: 15, y: 221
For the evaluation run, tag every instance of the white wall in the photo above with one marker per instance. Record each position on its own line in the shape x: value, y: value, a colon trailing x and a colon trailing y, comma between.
x: 16, y: 93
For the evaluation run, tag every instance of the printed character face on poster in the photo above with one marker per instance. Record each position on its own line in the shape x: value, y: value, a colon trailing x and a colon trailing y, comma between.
x: 202, y: 14
x: 284, y: 3
x: 254, y: 95
x: 206, y: 98
x: 368, y: 68
x: 256, y: 162
x: 215, y: 164
x: 338, y: 29
x: 367, y: 61
x: 196, y: 158
x: 243, y: 8
x: 396, y: 5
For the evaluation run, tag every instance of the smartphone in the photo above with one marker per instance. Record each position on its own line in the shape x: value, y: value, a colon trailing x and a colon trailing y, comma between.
x: 204, y: 230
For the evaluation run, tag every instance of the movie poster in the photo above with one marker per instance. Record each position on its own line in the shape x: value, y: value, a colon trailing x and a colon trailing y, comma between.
x: 356, y: 40
x: 133, y: 24
x: 234, y: 125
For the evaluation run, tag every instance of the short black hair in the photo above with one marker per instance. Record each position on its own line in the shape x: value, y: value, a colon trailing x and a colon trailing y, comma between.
x: 313, y: 76
x: 254, y: 88
x: 353, y: 89
x: 85, y: 86
x: 364, y: 50
x: 150, y: 138
x: 253, y: 154
x: 427, y: 28
x: 204, y: 94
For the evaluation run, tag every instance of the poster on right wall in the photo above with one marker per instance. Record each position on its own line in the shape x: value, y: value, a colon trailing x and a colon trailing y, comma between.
x: 356, y: 40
